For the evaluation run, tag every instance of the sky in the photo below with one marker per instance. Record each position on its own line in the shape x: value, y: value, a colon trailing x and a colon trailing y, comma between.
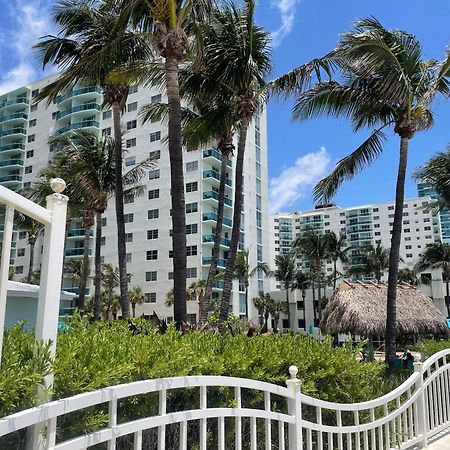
x: 299, y: 153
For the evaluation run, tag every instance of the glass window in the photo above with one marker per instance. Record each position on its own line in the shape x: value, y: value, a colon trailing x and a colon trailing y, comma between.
x: 132, y: 106
x: 192, y: 187
x: 30, y: 153
x: 151, y: 276
x: 130, y: 143
x: 191, y: 250
x: 152, y: 254
x: 128, y: 237
x: 130, y: 161
x: 156, y: 98
x: 191, y: 207
x: 153, y: 174
x: 191, y: 272
x: 107, y: 114
x: 192, y: 228
x: 152, y: 234
x: 33, y: 122
x: 150, y: 297
x: 31, y: 138
x: 153, y: 214
x: 155, y: 155
x: 153, y: 193
x: 131, y: 124
x: 128, y: 218
x: 156, y: 136
x: 28, y: 169
x: 191, y: 166
x: 132, y: 89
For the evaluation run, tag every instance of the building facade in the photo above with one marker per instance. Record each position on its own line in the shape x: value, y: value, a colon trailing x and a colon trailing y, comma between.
x: 362, y: 225
x: 25, y: 128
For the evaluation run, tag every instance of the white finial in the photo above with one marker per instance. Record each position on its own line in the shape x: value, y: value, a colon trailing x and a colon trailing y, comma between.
x: 417, y: 357
x: 58, y: 185
x: 293, y: 370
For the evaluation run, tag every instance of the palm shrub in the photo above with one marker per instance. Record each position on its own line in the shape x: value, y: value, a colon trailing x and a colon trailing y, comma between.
x: 337, y: 251
x: 137, y: 297
x: 383, y: 82
x: 374, y: 262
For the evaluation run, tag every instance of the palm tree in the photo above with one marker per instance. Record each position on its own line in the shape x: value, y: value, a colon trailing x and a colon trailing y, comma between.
x: 374, y: 262
x: 91, y: 44
x: 408, y: 276
x: 437, y: 256
x: 276, y: 309
x: 285, y: 272
x: 302, y: 282
x: 264, y: 305
x: 383, y: 82
x: 313, y: 247
x: 74, y: 270
x: 196, y: 292
x: 33, y: 229
x: 137, y: 297
x: 110, y: 279
x: 244, y: 273
x: 337, y: 251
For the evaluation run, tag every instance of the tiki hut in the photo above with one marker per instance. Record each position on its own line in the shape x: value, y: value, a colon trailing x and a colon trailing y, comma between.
x: 360, y: 308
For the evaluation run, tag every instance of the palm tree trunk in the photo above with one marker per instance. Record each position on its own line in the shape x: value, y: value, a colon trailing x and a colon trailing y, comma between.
x: 235, y: 234
x: 133, y: 307
x: 319, y: 303
x: 217, y: 238
x: 447, y: 297
x: 313, y: 287
x: 85, y: 272
x: 31, y: 263
x: 288, y: 306
x: 121, y: 244
x: 246, y: 300
x: 177, y: 190
x: 98, y: 267
x: 334, y: 276
x: 304, y: 309
x: 391, y: 319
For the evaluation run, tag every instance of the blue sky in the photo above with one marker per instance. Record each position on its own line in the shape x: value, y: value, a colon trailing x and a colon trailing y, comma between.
x: 299, y: 154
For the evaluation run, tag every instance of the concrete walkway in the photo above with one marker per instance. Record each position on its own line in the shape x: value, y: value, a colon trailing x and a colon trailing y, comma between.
x: 440, y: 441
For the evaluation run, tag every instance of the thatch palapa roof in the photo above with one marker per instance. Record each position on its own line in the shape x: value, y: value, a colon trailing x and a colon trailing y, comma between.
x: 360, y: 308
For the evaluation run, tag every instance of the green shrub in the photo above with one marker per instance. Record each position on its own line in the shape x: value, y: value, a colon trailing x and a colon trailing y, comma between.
x: 430, y: 346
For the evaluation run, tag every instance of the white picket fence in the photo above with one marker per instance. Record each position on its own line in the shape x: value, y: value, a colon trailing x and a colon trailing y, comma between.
x: 283, y: 419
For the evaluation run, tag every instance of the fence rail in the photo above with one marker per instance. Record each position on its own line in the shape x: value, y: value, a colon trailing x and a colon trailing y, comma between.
x: 257, y: 415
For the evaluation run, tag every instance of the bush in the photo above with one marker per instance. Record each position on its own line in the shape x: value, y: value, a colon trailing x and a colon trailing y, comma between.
x: 430, y: 346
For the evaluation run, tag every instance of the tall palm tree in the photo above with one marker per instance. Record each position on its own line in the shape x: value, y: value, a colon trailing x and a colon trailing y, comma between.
x: 303, y: 282
x: 244, y: 273
x: 264, y: 305
x: 409, y: 276
x: 90, y: 45
x: 437, y: 256
x: 110, y: 279
x: 74, y: 271
x: 313, y: 247
x: 196, y: 292
x: 137, y: 297
x: 285, y: 272
x: 383, y: 82
x: 276, y: 309
x: 374, y: 262
x: 337, y: 251
x: 33, y: 229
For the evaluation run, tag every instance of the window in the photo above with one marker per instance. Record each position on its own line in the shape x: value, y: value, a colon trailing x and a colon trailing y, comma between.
x: 191, y: 207
x: 153, y: 193
x: 19, y: 269
x: 130, y: 143
x: 192, y: 228
x: 156, y: 136
x: 32, y: 122
x: 22, y: 235
x: 152, y: 234
x: 103, y: 240
x: 301, y: 323
x: 128, y: 198
x: 191, y: 318
x: 33, y: 108
x: 20, y: 252
x: 131, y: 124
x: 31, y: 138
x: 407, y: 230
x: 192, y: 187
x: 152, y: 254
x: 285, y: 323
x: 155, y: 155
x: 153, y: 214
x: 104, y: 221
x: 153, y: 174
x: 30, y: 153
x: 132, y: 89
x: 150, y: 297
x: 191, y: 166
x: 390, y: 208
x: 128, y: 218
x: 106, y: 131
x: 408, y: 247
x: 376, y: 217
x: 191, y: 272
x: 28, y: 169
x: 425, y: 228
x: 191, y: 250
x: 129, y: 257
x: 130, y: 161
x: 375, y: 209
x: 132, y: 106
x: 34, y: 93
x: 377, y: 233
x: 156, y: 98
x: 128, y: 237
x: 107, y: 114
x: 377, y: 225
x: 151, y: 276
x: 300, y: 305
x: 409, y: 255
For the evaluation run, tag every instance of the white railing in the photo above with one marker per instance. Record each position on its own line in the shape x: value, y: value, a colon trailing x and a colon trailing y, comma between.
x: 230, y: 414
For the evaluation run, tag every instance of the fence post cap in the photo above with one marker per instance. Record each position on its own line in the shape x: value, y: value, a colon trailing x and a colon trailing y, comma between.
x: 293, y: 371
x: 58, y: 185
x: 418, y: 366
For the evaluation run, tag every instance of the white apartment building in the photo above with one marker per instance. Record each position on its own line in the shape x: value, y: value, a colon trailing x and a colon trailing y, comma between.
x: 24, y: 150
x: 362, y: 225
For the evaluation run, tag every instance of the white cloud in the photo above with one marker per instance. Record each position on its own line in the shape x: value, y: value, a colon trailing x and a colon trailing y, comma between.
x: 29, y: 20
x: 287, y: 9
x: 295, y: 181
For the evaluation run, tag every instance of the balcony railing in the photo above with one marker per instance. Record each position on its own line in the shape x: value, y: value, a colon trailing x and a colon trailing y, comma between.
x: 76, y: 252
x: 11, y: 162
x: 14, y: 116
x: 212, y: 153
x: 209, y: 238
x: 13, y: 131
x: 213, y: 216
x: 15, y: 101
x: 220, y: 262
x: 87, y: 107
x: 79, y: 232
x: 77, y: 126
x: 76, y: 92
x: 216, y: 175
x: 214, y: 195
x: 12, y: 147
x: 7, y: 178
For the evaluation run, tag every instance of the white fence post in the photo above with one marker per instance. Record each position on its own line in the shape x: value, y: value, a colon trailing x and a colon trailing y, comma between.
x: 295, y: 410
x: 421, y: 407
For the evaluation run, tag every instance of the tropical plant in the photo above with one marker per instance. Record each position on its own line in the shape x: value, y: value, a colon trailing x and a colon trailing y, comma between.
x: 137, y: 297
x: 244, y: 273
x: 92, y: 43
x: 110, y: 280
x: 337, y: 251
x: 383, y: 82
x: 276, y: 309
x: 408, y: 276
x: 73, y: 270
x: 264, y: 305
x: 196, y: 292
x: 437, y: 256
x: 374, y: 262
x: 285, y: 272
x: 302, y: 282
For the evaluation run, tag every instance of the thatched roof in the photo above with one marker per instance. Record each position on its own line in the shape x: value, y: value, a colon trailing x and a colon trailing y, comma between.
x: 360, y: 308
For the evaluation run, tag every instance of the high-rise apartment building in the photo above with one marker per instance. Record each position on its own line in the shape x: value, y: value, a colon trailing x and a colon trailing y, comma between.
x: 362, y: 225
x: 25, y: 128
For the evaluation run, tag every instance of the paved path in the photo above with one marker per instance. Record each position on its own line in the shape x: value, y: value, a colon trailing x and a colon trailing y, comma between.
x: 441, y: 441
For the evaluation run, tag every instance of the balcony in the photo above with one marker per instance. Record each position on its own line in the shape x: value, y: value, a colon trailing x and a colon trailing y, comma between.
x: 79, y: 232
x: 11, y: 163
x: 13, y: 132
x: 214, y: 175
x: 12, y: 148
x: 214, y: 196
x: 79, y: 108
x: 78, y: 92
x: 15, y: 116
x: 77, y: 126
x: 211, y: 216
x: 222, y: 263
x: 76, y: 252
x: 212, y: 153
x: 66, y: 311
x: 209, y: 239
x: 218, y: 285
x: 15, y: 101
